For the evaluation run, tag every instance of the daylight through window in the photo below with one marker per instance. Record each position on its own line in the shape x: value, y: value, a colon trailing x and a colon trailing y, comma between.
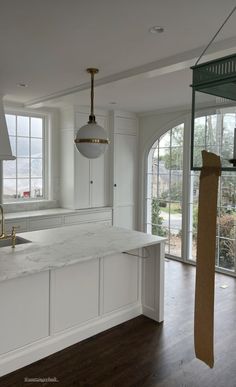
x: 23, y: 178
x: 167, y: 214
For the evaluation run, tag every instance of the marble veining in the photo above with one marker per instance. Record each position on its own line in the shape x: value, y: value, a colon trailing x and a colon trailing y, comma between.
x: 63, y: 246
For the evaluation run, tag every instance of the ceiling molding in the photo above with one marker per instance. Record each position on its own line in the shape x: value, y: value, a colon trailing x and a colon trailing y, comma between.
x: 166, y: 65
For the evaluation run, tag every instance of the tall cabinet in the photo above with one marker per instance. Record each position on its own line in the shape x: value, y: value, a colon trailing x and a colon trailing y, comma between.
x: 110, y: 180
x: 84, y: 182
x: 125, y: 133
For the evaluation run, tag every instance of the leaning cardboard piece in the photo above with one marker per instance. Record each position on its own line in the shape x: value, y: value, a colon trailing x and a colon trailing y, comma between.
x: 206, y: 248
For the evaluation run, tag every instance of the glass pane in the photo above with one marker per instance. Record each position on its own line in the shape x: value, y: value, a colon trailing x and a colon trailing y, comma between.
x: 9, y: 169
x: 22, y: 167
x: 163, y: 187
x: 193, y: 247
x: 22, y: 147
x: 154, y: 185
x: 212, y: 130
x: 11, y: 124
x: 197, y: 156
x: 165, y: 140
x: 158, y: 221
x: 227, y: 224
x: 36, y: 167
x: 13, y: 144
x: 36, y: 188
x: 176, y: 159
x: 228, y: 190
x: 23, y: 189
x: 164, y: 160
x: 176, y: 187
x: 227, y: 138
x: 195, y: 186
x: 23, y: 126
x: 175, y: 216
x: 167, y: 247
x: 36, y: 127
x: 177, y: 136
x: 155, y: 163
x: 36, y: 148
x: 227, y: 253
x: 164, y: 214
x: 9, y: 189
x: 200, y: 132
x: 175, y: 242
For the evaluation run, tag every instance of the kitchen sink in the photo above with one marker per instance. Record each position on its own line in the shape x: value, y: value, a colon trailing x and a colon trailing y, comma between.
x: 8, y: 242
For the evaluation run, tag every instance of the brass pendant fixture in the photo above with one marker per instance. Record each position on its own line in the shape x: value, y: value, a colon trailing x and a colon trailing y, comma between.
x: 91, y: 139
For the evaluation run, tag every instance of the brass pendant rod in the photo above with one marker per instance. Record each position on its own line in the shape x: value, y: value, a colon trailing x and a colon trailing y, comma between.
x: 92, y: 71
x: 92, y: 94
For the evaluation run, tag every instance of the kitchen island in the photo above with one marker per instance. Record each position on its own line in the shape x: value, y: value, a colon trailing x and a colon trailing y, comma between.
x: 70, y: 283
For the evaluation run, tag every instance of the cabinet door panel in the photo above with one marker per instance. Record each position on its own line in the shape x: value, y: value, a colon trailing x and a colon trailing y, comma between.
x: 24, y: 305
x: 124, y: 179
x: 120, y: 281
x: 75, y: 292
x: 98, y: 178
x: 82, y: 182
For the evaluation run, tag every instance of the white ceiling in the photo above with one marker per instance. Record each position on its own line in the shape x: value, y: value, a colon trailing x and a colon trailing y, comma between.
x: 49, y: 44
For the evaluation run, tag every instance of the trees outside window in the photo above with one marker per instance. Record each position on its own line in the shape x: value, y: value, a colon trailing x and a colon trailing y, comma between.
x: 165, y: 207
x: 165, y: 189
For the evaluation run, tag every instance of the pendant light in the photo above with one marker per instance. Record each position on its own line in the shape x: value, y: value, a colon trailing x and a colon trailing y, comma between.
x: 91, y: 139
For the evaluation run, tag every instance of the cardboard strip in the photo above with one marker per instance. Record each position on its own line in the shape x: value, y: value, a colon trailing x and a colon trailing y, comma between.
x: 206, y: 247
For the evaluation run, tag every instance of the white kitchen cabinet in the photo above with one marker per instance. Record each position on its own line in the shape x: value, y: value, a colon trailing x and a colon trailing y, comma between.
x: 74, y: 292
x: 86, y: 289
x: 57, y: 217
x: 121, y: 281
x: 84, y: 182
x: 91, y: 178
x: 125, y: 169
x: 24, y: 306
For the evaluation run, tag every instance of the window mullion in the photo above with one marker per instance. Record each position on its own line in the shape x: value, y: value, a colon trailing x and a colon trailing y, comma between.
x: 16, y: 157
x: 30, y: 185
x: 186, y: 195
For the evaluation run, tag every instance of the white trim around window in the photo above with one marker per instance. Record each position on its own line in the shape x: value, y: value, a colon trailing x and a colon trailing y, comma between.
x: 46, y: 176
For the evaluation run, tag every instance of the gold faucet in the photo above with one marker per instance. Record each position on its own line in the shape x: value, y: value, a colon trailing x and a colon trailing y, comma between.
x: 3, y: 235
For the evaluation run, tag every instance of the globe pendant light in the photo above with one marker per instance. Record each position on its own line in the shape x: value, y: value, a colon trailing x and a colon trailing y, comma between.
x: 91, y: 139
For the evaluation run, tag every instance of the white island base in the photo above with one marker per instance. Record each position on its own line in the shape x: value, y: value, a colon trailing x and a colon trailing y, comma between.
x: 45, y: 311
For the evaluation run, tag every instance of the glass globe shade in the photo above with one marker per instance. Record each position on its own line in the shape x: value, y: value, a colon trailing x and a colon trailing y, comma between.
x: 91, y: 140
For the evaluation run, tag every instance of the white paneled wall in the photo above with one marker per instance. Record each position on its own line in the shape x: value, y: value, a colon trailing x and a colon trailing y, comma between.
x: 125, y: 135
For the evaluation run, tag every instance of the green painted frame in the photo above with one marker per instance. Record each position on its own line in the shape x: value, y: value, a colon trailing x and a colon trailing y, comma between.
x: 218, y: 78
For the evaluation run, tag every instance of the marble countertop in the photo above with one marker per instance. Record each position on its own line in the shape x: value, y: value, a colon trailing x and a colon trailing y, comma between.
x: 64, y: 246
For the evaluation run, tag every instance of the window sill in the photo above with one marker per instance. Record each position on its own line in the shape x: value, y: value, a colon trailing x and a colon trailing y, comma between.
x: 32, y: 205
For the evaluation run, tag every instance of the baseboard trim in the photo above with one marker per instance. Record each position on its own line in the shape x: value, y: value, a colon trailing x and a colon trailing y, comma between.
x: 31, y: 353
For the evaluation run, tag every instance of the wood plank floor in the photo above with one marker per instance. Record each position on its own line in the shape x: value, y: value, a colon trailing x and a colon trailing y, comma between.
x: 142, y: 353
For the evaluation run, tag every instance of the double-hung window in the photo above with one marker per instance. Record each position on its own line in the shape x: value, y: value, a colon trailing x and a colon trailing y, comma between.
x: 23, y: 178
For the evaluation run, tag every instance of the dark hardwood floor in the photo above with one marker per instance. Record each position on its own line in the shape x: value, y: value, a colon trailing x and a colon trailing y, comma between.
x: 142, y: 353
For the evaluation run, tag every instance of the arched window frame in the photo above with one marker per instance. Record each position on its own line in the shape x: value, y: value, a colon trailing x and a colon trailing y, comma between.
x: 187, y: 182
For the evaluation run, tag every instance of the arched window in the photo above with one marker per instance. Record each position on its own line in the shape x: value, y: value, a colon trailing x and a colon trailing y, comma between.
x: 165, y: 181
x: 172, y: 189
